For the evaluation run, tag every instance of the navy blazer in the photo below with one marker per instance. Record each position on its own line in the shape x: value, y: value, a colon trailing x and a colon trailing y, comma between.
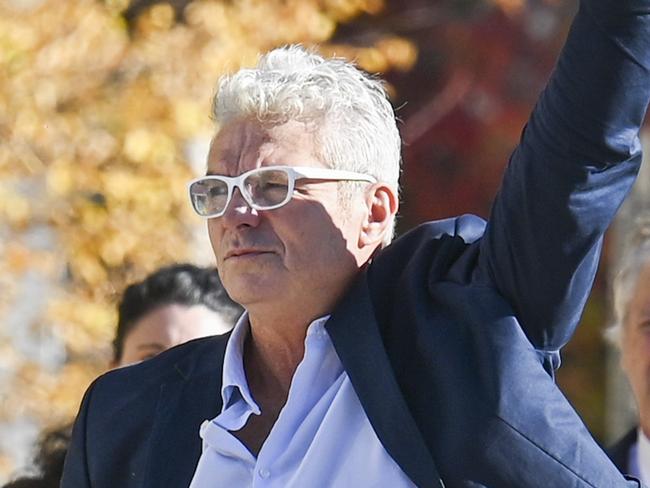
x: 451, y: 335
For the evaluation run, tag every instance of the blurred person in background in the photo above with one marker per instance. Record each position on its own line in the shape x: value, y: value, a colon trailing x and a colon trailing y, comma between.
x: 425, y: 362
x: 173, y: 305
x: 631, y: 333
x: 170, y: 306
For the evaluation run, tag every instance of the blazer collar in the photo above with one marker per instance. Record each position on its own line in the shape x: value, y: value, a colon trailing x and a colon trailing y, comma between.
x: 355, y: 333
x: 191, y: 396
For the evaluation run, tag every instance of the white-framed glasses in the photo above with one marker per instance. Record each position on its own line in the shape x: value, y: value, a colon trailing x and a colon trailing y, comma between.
x: 264, y: 188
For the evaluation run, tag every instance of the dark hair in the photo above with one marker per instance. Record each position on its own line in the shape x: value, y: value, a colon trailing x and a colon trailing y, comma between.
x: 48, y: 461
x: 181, y: 284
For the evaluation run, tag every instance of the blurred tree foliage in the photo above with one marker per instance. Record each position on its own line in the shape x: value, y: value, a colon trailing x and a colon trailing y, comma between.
x: 101, y: 102
x: 98, y: 104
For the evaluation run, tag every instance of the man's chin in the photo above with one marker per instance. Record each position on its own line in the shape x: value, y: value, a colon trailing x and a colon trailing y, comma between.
x: 248, y: 292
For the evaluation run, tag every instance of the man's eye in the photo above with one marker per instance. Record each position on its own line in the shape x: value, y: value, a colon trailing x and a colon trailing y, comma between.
x: 218, y: 190
x: 273, y: 185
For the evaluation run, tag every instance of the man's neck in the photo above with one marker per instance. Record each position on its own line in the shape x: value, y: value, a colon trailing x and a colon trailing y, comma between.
x: 271, y: 356
x: 276, y: 342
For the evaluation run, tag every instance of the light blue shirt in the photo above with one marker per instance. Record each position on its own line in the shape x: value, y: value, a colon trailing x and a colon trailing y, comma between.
x: 322, y: 437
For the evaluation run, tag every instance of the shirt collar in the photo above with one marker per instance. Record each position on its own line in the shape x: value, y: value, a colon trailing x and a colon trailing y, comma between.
x: 234, y: 384
x: 234, y: 377
x: 643, y: 456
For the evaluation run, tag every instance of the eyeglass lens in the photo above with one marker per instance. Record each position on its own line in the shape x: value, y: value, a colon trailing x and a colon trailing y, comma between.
x: 209, y: 197
x: 264, y: 188
x: 267, y: 188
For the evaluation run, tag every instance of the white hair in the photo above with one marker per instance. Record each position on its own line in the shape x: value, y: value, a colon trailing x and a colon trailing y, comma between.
x: 635, y: 259
x: 355, y: 123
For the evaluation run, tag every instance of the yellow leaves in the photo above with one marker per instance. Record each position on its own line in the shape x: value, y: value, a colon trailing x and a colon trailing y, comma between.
x: 59, y: 178
x: 85, y: 325
x: 96, y: 147
x: 399, y: 53
x: 46, y: 95
x: 345, y: 10
x: 92, y: 218
x: 52, y: 47
x: 211, y: 18
x: 117, y: 6
x: 113, y: 251
x: 87, y: 269
x: 17, y: 258
x: 69, y: 385
x: 159, y: 17
x: 189, y: 117
x: 28, y: 123
x: 138, y: 144
x: 120, y: 184
x: 53, y: 396
x: 14, y: 208
x: 387, y: 53
x: 260, y: 23
x: 82, y: 36
x: 147, y: 147
x: 92, y: 127
x: 16, y: 42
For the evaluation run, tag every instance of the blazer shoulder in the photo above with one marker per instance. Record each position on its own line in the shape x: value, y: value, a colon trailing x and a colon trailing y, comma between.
x: 465, y: 229
x: 442, y: 249
x: 194, y: 357
x: 468, y: 227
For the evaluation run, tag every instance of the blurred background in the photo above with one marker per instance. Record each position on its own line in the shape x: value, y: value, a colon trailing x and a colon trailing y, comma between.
x: 104, y: 117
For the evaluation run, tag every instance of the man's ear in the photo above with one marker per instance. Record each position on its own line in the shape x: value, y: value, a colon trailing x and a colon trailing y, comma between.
x: 382, y: 203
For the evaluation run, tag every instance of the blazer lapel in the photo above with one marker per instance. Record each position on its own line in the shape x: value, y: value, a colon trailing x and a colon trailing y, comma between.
x: 192, y: 395
x: 357, y: 340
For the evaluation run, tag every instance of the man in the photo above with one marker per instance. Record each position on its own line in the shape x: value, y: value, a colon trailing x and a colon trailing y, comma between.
x: 631, y: 334
x: 428, y: 362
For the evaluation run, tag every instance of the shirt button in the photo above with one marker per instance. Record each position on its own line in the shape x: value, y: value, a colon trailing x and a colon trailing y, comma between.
x: 264, y: 473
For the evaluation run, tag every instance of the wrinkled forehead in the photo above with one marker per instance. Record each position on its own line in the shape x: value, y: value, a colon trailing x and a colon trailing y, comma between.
x: 243, y: 145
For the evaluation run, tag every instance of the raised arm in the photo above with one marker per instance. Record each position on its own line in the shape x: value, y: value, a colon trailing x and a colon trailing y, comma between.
x: 576, y: 161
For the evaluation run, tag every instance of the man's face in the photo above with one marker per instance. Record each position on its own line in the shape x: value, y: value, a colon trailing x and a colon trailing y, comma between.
x: 302, y: 255
x: 635, y: 346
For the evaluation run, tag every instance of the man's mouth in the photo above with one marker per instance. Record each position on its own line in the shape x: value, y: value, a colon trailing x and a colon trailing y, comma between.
x: 245, y: 253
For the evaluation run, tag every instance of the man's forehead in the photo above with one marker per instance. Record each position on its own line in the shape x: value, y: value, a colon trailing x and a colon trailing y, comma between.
x: 232, y: 139
x: 244, y: 145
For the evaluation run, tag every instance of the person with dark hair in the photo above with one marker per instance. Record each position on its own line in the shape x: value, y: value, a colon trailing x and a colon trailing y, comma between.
x: 170, y: 306
x: 427, y: 361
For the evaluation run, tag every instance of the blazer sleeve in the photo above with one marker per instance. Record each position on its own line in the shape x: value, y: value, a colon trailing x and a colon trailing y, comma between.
x: 75, y: 469
x: 577, y: 159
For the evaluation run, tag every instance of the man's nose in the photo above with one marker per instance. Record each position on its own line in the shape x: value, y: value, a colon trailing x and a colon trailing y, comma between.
x: 239, y: 212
